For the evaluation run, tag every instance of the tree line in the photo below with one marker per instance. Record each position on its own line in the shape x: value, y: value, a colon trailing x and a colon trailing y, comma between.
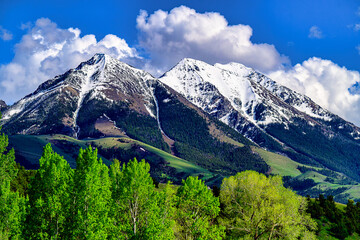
x: 341, y: 223
x: 95, y: 201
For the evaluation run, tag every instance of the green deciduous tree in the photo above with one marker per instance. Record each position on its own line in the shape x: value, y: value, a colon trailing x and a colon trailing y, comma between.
x: 138, y: 211
x: 257, y: 207
x: 197, y: 209
x: 90, y: 200
x: 12, y: 206
x: 49, y: 196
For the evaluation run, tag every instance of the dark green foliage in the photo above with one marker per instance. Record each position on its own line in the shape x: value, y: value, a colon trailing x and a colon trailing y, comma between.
x: 315, y: 191
x: 300, y: 185
x: 223, y: 158
x: 138, y: 126
x: 336, y: 153
x: 142, y: 128
x: 195, y: 143
x: 159, y: 168
x: 12, y: 206
x: 21, y: 183
x: 352, y: 212
x: 343, y: 223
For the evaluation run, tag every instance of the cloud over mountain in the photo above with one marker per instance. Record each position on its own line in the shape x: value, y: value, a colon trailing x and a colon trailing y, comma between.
x: 170, y: 36
x: 328, y: 84
x: 47, y: 50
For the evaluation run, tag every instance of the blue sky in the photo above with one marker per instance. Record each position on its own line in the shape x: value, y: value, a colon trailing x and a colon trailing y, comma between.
x: 285, y: 24
x: 311, y: 46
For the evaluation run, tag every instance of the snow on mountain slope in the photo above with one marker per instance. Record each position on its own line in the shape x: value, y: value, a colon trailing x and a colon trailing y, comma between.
x: 273, y: 116
x: 299, y: 101
x: 101, y: 78
x: 201, y: 83
x: 255, y: 97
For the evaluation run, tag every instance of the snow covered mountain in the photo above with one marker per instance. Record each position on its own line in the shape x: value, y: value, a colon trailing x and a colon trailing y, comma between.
x: 271, y: 115
x: 106, y: 97
x: 191, y: 112
x: 100, y: 79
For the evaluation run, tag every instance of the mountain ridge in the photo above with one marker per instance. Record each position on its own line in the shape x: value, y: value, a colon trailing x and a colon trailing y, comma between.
x: 268, y: 113
x: 204, y: 123
x: 105, y: 97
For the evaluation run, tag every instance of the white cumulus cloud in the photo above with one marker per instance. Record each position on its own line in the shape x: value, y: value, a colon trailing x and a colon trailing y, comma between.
x: 47, y: 50
x: 315, y: 32
x: 170, y: 36
x: 326, y: 83
x: 356, y: 27
x: 5, y: 35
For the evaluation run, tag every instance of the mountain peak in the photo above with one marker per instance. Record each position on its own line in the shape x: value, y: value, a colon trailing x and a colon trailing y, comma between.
x: 98, y: 58
x: 102, y: 79
x: 191, y: 62
x: 234, y: 67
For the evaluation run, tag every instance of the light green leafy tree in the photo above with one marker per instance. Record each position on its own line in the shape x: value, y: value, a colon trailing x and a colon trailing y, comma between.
x: 138, y: 211
x: 49, y: 197
x: 257, y: 207
x: 90, y: 200
x: 197, y: 209
x: 12, y: 206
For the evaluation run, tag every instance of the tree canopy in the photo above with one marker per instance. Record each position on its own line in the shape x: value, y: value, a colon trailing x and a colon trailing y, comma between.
x: 12, y: 206
x: 49, y: 197
x: 260, y: 207
x: 197, y: 209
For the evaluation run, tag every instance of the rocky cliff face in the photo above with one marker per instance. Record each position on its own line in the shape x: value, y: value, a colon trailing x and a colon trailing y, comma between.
x: 3, y: 105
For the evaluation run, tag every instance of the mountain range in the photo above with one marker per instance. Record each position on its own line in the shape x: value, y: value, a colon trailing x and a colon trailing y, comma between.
x: 273, y: 116
x: 223, y: 118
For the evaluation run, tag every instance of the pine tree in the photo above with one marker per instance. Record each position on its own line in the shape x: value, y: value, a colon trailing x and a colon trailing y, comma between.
x: 90, y: 200
x: 12, y: 206
x: 49, y: 196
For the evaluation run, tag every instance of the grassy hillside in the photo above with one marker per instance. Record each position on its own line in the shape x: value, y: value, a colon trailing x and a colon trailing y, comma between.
x: 310, y: 180
x: 279, y: 164
x: 306, y: 180
x: 165, y: 166
x: 337, y: 153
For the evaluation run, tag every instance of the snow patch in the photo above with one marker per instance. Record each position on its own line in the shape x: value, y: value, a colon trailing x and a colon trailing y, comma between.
x: 87, y: 85
x: 149, y: 111
x: 304, y: 107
